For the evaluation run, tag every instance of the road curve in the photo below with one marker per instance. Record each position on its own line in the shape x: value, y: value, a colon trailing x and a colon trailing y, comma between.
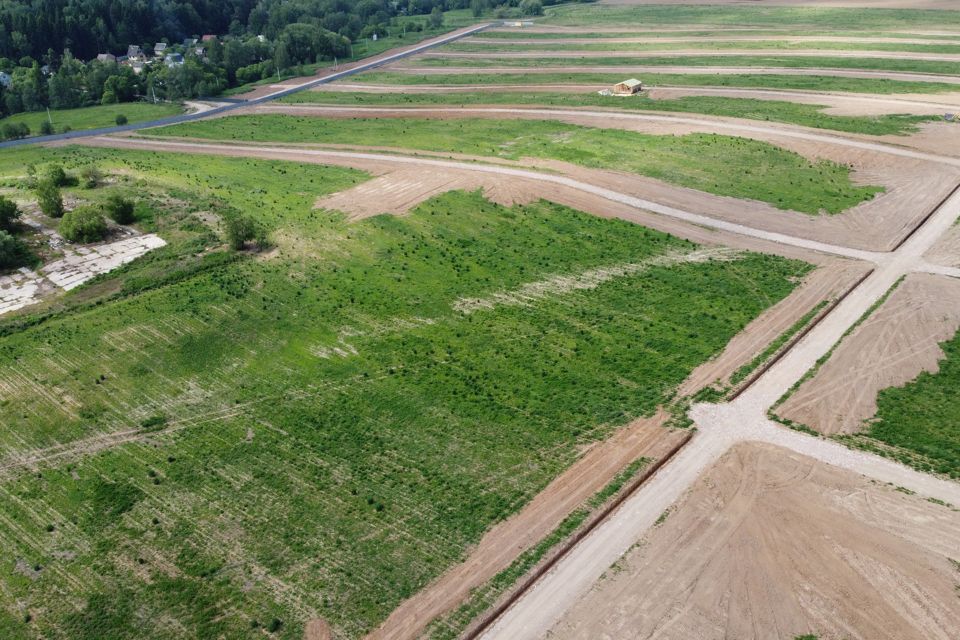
x: 608, y: 194
x: 720, y: 426
x: 373, y: 63
x: 711, y: 124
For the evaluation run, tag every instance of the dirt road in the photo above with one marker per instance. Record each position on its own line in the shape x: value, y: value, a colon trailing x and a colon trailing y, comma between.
x: 770, y: 544
x: 721, y: 427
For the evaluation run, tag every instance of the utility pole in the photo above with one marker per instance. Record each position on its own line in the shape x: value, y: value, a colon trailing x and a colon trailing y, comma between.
x: 49, y: 117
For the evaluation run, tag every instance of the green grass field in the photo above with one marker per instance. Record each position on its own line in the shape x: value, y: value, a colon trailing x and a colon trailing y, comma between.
x: 508, y: 34
x: 765, y: 110
x: 771, y: 81
x: 785, y: 62
x: 707, y: 162
x: 712, y: 45
x: 324, y: 430
x: 94, y: 117
x: 822, y: 19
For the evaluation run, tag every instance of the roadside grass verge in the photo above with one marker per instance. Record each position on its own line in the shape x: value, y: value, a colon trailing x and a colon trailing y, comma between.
x: 806, y: 115
x: 723, y: 165
x: 811, y: 82
x: 783, y: 33
x: 898, y: 65
x: 94, y: 117
x: 323, y: 432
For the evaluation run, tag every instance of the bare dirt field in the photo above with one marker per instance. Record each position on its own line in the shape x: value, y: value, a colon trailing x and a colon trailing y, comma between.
x: 891, y: 347
x: 772, y: 544
x: 947, y: 251
x: 625, y: 52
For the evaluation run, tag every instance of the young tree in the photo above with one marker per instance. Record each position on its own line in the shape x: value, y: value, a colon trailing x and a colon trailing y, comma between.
x: 83, y: 224
x: 241, y: 229
x: 531, y: 8
x: 120, y: 120
x: 436, y: 18
x: 13, y: 252
x: 9, y: 214
x: 57, y: 175
x: 49, y: 198
x: 90, y: 176
x: 119, y: 209
x: 46, y: 128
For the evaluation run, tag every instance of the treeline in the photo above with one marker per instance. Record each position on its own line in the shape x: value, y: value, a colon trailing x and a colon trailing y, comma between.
x: 88, y: 27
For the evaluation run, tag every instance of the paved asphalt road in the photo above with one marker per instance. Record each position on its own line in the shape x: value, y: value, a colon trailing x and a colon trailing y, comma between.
x: 373, y: 64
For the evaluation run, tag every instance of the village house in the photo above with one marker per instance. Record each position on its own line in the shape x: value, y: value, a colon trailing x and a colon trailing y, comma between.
x: 159, y: 49
x: 134, y: 53
x: 5, y: 79
x: 173, y: 60
x: 189, y: 42
x: 106, y: 57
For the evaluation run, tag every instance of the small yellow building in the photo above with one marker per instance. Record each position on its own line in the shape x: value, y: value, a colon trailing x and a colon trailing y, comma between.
x: 628, y: 87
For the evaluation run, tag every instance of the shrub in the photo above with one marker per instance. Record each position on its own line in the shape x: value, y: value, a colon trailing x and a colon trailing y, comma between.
x: 46, y: 128
x: 13, y: 252
x: 15, y: 131
x: 9, y: 214
x: 66, y: 129
x: 57, y: 175
x: 90, y: 176
x: 83, y: 224
x: 241, y: 229
x: 49, y: 199
x: 531, y: 8
x: 120, y: 120
x: 119, y: 209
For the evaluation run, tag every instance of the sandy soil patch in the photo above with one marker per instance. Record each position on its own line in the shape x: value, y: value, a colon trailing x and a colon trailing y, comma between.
x: 317, y: 629
x: 891, y: 347
x: 772, y: 544
x: 947, y: 251
x: 400, y: 191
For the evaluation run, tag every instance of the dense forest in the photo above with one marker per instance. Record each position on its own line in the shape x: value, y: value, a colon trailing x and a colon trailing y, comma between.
x: 88, y: 27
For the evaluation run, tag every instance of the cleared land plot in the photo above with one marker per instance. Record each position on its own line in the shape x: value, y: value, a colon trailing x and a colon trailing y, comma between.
x: 771, y: 544
x: 706, y: 162
x: 891, y: 347
x: 345, y: 356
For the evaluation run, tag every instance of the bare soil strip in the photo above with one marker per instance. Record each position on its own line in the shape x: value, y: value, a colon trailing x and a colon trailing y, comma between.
x: 853, y: 4
x: 891, y: 347
x: 772, y: 544
x: 786, y: 37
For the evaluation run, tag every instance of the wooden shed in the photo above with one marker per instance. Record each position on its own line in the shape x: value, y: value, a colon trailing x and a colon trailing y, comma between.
x: 628, y: 87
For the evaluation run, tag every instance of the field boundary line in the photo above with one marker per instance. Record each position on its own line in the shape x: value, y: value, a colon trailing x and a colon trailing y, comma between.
x: 925, y: 218
x: 792, y: 342
x: 560, y: 551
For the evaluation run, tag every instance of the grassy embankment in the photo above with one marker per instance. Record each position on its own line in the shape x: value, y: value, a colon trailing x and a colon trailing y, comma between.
x: 469, y: 46
x: 94, y: 117
x: 806, y: 115
x: 323, y: 431
x: 707, y: 162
